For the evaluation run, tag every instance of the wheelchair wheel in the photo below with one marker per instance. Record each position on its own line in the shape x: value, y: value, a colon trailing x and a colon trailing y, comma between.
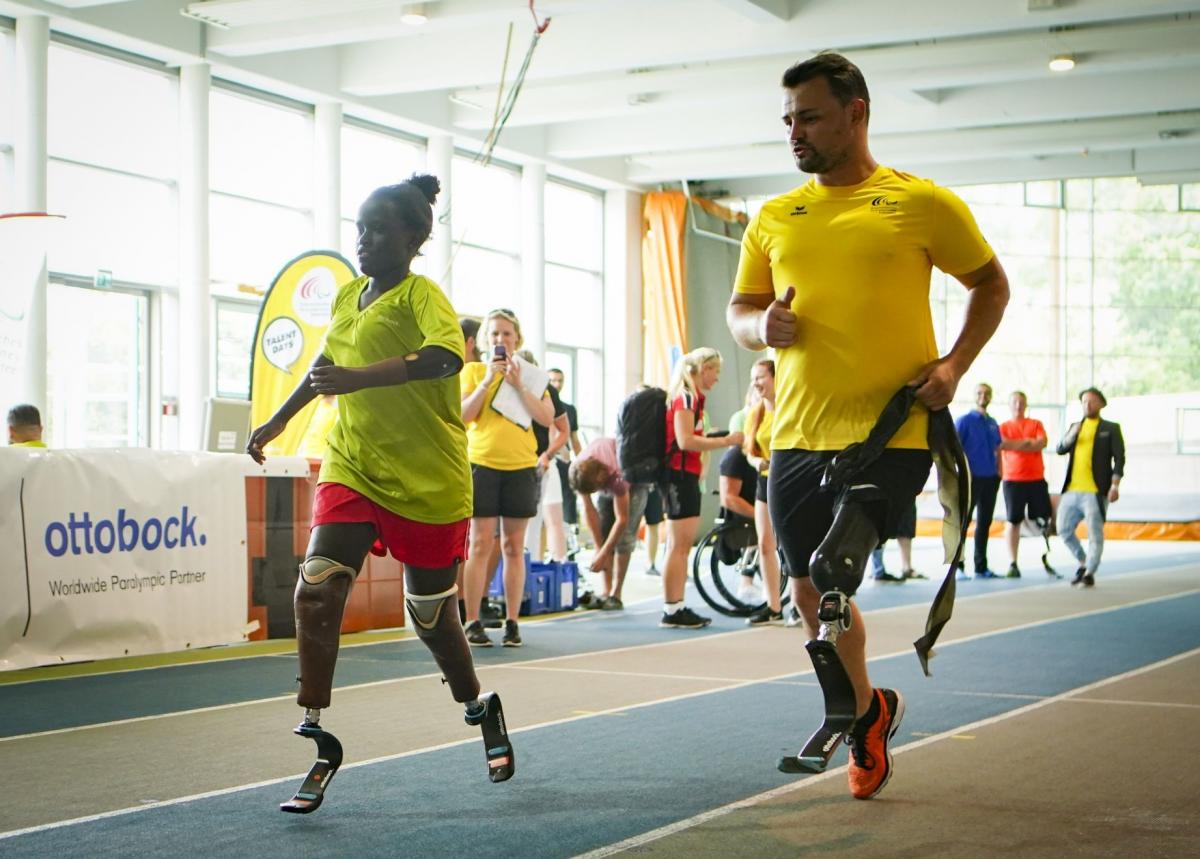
x: 718, y: 571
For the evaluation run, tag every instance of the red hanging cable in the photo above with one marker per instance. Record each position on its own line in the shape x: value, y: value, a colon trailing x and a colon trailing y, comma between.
x: 538, y: 28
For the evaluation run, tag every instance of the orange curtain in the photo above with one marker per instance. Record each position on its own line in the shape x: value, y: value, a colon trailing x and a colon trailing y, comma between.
x: 663, y: 304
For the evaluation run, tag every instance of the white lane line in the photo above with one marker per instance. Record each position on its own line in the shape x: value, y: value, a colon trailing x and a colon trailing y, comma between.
x: 1016, y: 696
x: 371, y: 761
x: 629, y: 648
x: 651, y: 674
x: 646, y: 837
x: 784, y: 790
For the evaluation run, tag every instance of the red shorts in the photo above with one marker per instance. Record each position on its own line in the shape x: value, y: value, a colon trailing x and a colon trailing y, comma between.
x: 418, y: 544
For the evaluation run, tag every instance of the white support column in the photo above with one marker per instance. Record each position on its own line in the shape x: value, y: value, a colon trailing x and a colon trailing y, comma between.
x: 327, y: 176
x: 439, y: 156
x: 29, y: 161
x: 195, y: 341
x: 533, y: 259
x: 623, y: 316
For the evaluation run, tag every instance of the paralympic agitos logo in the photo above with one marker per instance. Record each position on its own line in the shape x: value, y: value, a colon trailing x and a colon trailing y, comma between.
x: 81, y: 534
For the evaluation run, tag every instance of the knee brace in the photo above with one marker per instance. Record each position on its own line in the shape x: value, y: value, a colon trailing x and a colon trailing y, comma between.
x: 437, y: 624
x: 320, y: 600
x: 839, y: 562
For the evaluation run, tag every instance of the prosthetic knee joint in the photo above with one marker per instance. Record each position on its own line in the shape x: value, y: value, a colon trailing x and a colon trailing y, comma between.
x: 435, y: 617
x: 320, y: 600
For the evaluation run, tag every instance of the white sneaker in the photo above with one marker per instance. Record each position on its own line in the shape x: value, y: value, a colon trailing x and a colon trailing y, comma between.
x: 791, y: 617
x: 749, y: 594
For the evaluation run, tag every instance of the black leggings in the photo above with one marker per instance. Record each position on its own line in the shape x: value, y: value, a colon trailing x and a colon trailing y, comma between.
x: 983, y: 499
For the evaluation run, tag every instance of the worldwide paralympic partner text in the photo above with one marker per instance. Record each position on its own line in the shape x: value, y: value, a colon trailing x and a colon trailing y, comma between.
x: 80, y: 534
x: 135, y: 584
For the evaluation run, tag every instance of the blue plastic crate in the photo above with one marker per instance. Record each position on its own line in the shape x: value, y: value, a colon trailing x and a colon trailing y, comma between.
x: 566, y: 586
x: 540, y: 588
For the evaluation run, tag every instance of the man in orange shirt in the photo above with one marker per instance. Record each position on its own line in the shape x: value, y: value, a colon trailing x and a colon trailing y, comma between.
x: 1022, y: 441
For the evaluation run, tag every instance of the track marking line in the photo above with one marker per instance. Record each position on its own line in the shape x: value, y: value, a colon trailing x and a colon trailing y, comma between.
x: 779, y: 678
x: 622, y: 710
x: 784, y: 790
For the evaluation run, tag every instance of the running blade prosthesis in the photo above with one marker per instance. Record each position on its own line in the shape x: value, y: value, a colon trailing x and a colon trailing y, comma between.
x: 489, y: 716
x: 840, y: 705
x: 329, y: 757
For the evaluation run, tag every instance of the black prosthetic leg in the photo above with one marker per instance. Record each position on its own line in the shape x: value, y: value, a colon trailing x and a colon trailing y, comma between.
x: 836, y: 570
x: 488, y: 715
x: 329, y: 757
x: 320, y: 601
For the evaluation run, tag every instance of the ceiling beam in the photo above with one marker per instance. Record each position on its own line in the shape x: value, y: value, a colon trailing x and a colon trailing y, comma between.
x: 760, y: 11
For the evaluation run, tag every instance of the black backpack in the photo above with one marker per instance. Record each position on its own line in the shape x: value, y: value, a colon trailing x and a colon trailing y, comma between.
x: 642, y: 436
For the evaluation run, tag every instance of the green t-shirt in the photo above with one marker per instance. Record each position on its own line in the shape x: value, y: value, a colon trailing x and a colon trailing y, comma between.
x: 402, y: 446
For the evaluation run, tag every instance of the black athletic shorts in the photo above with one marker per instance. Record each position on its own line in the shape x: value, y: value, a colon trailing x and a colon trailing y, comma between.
x: 681, y: 494
x: 760, y: 492
x: 511, y: 494
x: 1026, y: 499
x: 654, y: 506
x: 802, y: 512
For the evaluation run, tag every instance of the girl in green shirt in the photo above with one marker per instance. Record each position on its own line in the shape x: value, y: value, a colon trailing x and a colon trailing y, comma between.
x: 395, y: 477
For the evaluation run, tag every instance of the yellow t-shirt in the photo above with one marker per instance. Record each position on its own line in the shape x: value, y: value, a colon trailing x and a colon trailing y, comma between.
x: 1082, y: 479
x: 402, y: 446
x: 860, y: 257
x: 34, y: 443
x: 762, y: 437
x: 492, y: 439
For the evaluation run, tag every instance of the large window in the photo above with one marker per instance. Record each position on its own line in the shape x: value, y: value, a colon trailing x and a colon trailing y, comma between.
x: 6, y: 121
x: 575, y: 297
x: 485, y: 213
x: 261, y: 169
x: 97, y: 367
x: 1105, y: 275
x: 111, y: 172
x: 236, y: 321
x: 112, y: 169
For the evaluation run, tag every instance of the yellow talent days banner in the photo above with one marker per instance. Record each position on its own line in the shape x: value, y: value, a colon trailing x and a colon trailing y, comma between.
x: 291, y: 327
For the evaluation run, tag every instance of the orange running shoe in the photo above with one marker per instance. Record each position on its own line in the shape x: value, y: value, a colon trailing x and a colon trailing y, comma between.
x: 870, y: 757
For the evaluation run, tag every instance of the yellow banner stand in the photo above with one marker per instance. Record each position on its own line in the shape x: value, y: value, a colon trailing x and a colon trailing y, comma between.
x: 291, y: 326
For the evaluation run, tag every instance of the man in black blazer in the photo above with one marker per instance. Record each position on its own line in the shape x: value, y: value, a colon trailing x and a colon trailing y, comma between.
x: 1094, y: 470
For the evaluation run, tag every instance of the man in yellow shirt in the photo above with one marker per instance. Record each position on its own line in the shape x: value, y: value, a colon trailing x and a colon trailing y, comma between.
x: 835, y: 276
x: 25, y: 426
x: 1094, y: 470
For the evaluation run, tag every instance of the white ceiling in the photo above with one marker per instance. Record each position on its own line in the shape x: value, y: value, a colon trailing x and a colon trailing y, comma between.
x: 646, y: 92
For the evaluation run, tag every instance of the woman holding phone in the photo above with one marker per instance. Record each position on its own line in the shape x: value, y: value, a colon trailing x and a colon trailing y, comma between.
x: 503, y: 457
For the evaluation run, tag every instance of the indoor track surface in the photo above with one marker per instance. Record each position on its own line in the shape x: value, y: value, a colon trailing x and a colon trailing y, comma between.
x: 1057, y: 722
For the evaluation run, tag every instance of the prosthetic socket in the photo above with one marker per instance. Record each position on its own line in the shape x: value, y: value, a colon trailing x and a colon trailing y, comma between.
x: 839, y: 562
x: 435, y: 617
x: 320, y: 601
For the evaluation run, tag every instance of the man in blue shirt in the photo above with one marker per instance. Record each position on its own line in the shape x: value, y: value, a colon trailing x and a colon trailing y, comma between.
x: 980, y: 436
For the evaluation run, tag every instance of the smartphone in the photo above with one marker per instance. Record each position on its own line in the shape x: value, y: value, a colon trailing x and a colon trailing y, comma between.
x: 499, y: 353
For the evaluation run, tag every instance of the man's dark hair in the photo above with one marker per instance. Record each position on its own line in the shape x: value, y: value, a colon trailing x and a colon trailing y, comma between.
x: 1096, y: 391
x: 556, y: 370
x: 845, y: 81
x: 470, y: 327
x: 24, y: 415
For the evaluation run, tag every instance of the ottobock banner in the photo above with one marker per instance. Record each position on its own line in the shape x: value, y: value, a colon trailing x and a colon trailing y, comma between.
x: 115, y: 552
x: 291, y: 325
